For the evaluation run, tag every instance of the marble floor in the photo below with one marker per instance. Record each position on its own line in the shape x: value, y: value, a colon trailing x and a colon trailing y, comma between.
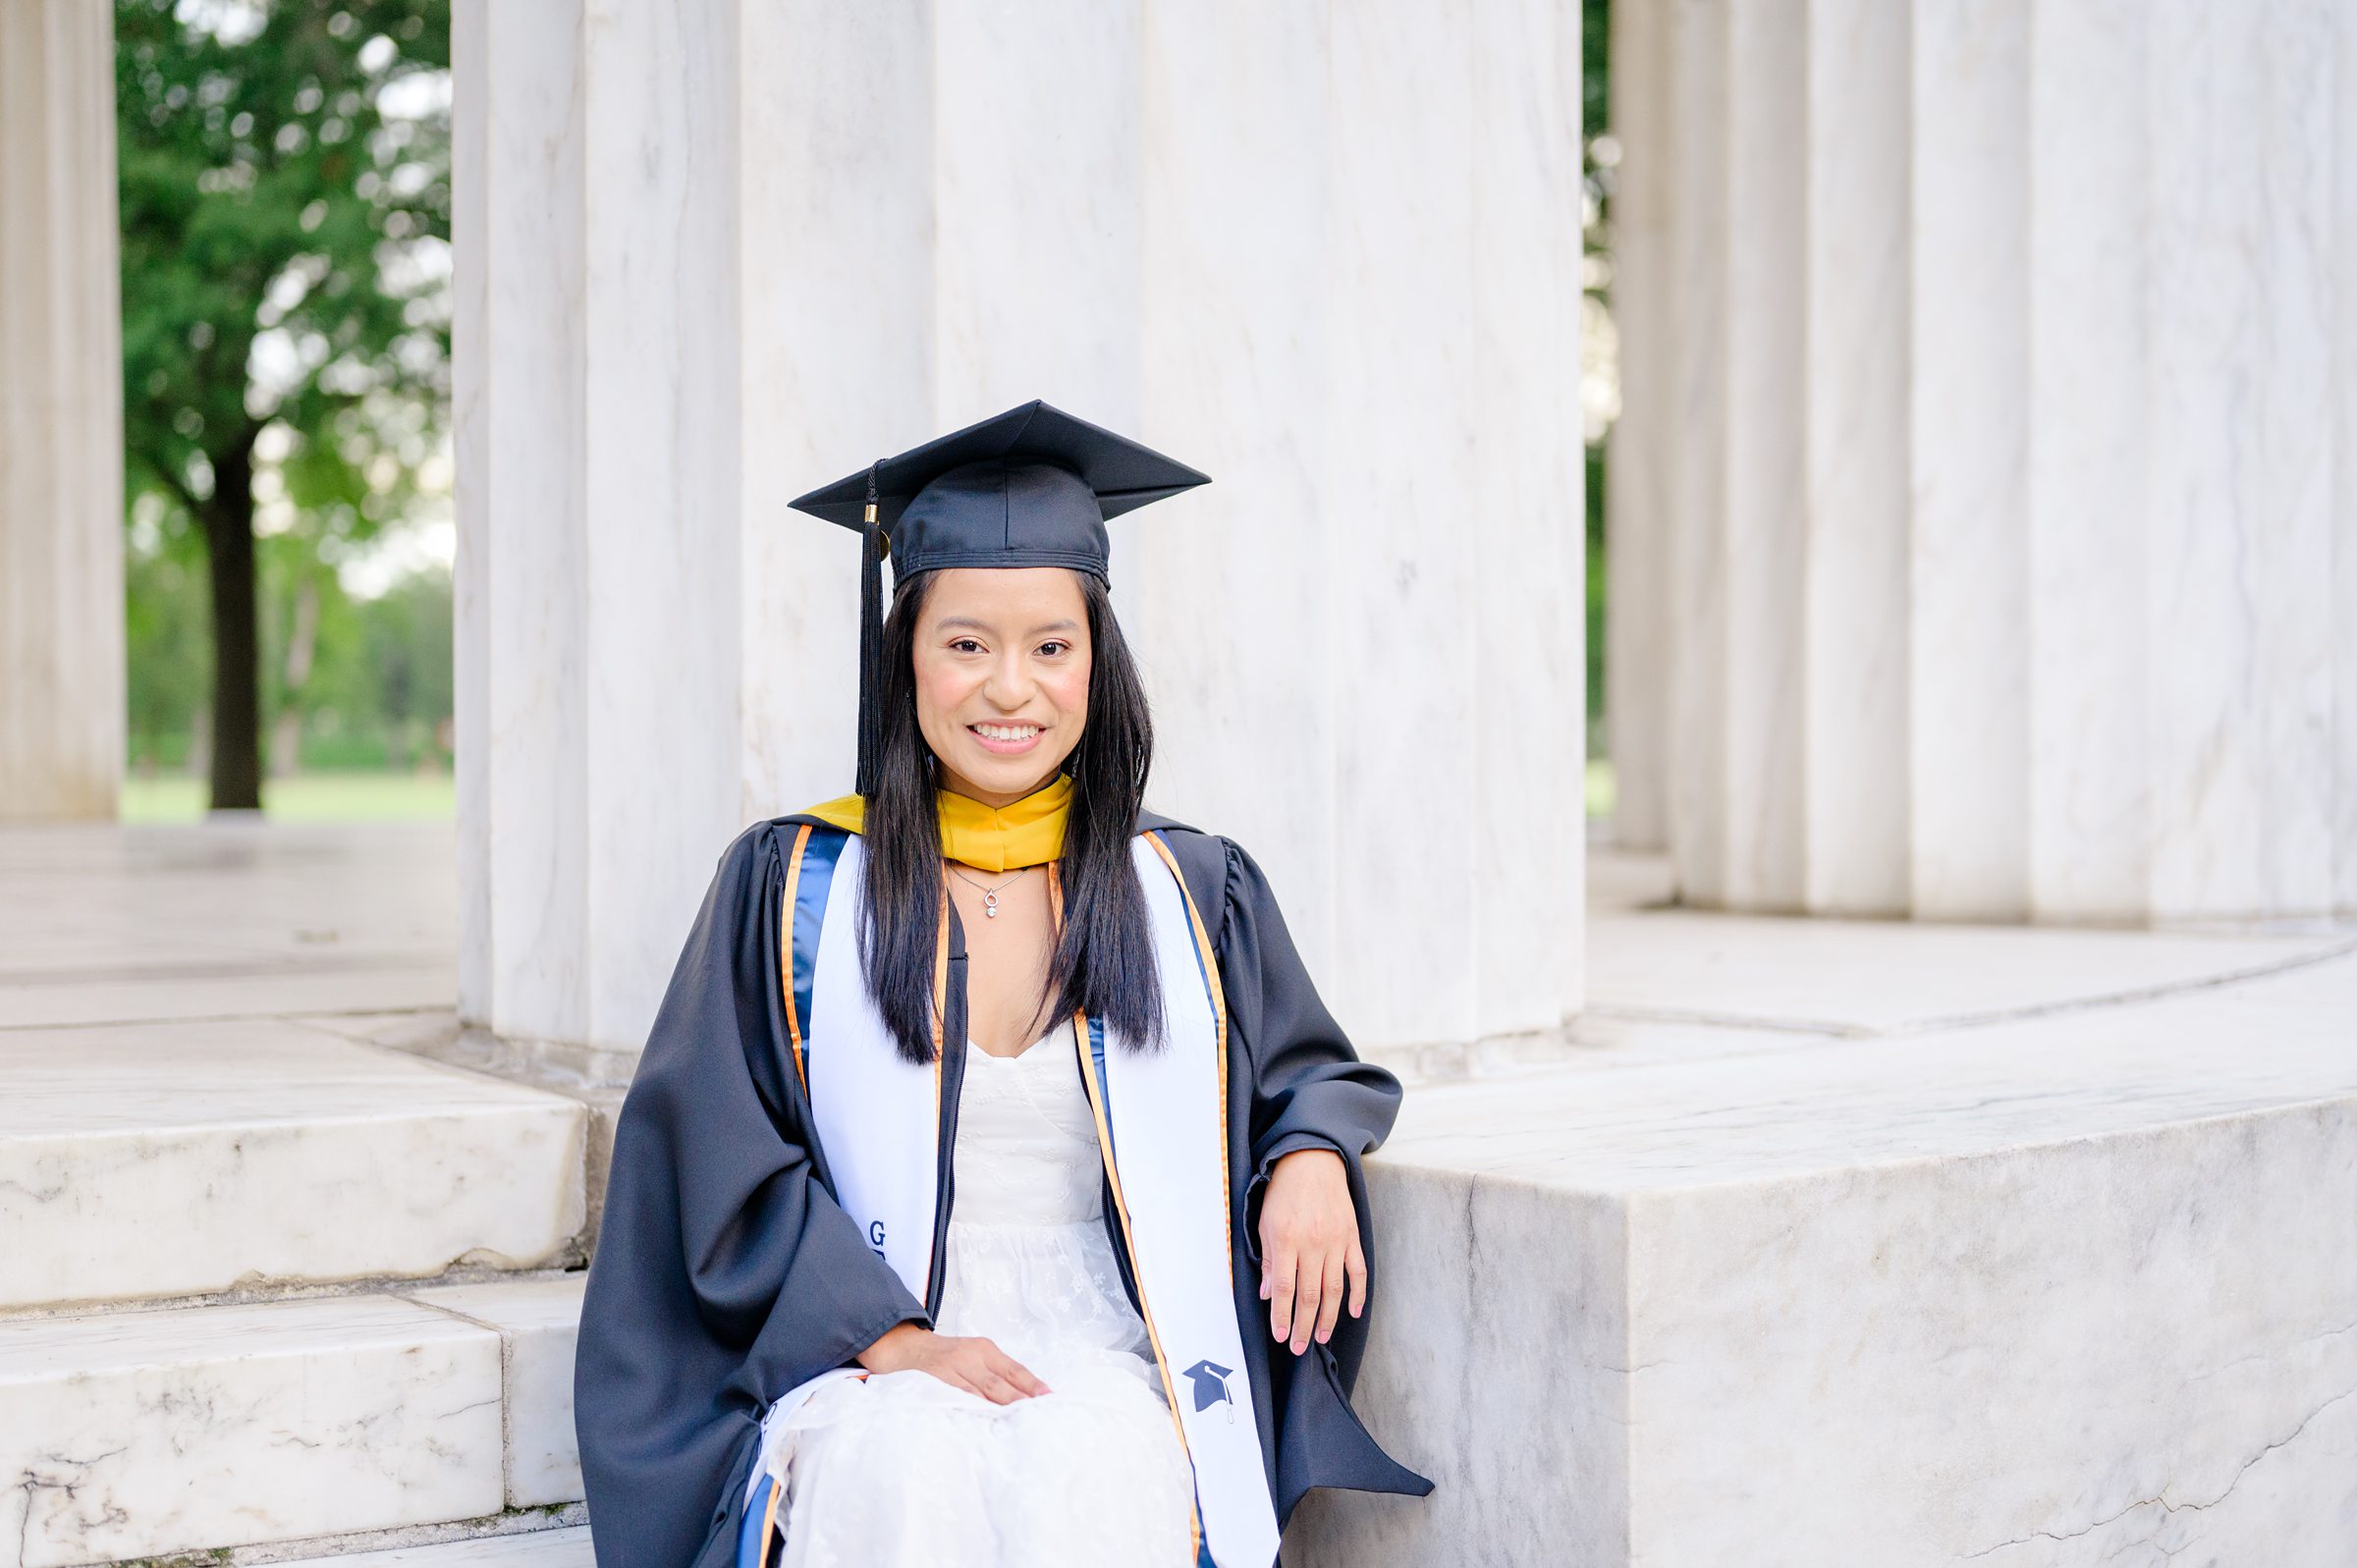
x: 108, y: 924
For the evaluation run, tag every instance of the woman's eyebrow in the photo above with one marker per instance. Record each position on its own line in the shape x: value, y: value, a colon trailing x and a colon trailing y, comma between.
x: 946, y: 621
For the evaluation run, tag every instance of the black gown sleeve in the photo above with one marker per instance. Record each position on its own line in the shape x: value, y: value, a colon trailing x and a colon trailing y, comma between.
x: 1309, y: 1089
x: 724, y: 1271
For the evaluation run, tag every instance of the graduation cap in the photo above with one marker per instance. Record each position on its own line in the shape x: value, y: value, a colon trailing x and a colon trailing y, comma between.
x: 1030, y: 487
x: 1210, y: 1384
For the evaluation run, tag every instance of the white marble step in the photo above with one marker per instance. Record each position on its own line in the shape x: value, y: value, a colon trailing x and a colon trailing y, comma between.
x: 141, y: 1160
x: 529, y: 1548
x: 536, y: 1321
x: 142, y: 1433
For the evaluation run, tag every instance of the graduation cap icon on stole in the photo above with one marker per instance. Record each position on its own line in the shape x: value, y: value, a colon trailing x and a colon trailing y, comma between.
x: 1210, y: 1380
x: 1030, y: 487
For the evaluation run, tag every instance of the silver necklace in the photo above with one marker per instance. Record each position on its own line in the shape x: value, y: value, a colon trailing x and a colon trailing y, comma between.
x: 990, y: 895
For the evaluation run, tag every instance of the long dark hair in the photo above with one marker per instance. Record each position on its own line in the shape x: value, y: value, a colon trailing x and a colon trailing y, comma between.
x: 1104, y: 963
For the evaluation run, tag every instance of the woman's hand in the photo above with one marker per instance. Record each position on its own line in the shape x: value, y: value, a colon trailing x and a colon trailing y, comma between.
x: 975, y: 1364
x: 1308, y: 1246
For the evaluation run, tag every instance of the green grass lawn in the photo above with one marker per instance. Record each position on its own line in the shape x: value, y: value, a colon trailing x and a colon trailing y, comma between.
x: 1600, y: 787
x: 303, y: 798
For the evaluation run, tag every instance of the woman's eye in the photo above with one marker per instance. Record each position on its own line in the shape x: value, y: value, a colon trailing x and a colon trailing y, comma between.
x: 967, y: 645
x: 1052, y: 647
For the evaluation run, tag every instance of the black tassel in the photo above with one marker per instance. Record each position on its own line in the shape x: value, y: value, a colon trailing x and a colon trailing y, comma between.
x: 872, y: 646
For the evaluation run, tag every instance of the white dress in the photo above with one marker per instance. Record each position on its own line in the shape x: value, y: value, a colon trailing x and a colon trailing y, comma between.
x: 903, y: 1468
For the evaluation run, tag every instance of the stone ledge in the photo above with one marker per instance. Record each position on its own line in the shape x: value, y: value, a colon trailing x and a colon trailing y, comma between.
x: 314, y: 1158
x: 2077, y: 1287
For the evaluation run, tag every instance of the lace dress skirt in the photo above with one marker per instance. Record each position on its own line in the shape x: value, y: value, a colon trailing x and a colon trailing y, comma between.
x: 903, y: 1468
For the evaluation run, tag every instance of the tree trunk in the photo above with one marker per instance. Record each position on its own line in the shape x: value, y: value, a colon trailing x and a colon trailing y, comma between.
x: 237, y: 657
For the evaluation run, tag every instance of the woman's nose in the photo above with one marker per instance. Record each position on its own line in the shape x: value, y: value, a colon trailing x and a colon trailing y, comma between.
x: 1006, y: 686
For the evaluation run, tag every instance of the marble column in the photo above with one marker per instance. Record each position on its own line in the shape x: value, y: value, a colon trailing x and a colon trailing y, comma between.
x: 60, y: 415
x: 1361, y: 239
x: 2012, y: 534
x: 1328, y: 256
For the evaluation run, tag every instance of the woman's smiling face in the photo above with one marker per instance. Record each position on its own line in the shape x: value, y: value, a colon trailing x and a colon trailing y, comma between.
x: 1002, y: 658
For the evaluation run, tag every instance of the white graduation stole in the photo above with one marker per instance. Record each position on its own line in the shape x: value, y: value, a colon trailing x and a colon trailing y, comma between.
x: 1162, y: 1130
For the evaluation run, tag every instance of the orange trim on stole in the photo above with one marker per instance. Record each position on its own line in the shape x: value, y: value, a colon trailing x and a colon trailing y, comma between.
x: 769, y: 1520
x: 1120, y: 1209
x: 794, y: 1022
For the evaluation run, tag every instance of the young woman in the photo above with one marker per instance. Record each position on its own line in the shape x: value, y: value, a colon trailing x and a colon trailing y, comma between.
x: 990, y: 1188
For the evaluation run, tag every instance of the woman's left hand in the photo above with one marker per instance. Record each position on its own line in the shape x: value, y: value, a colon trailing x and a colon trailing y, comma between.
x: 1308, y: 1246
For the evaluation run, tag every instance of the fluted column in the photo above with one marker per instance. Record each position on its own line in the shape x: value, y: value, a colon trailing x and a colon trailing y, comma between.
x: 1326, y: 255
x: 2015, y: 497
x: 1360, y: 315
x: 60, y: 415
x: 651, y: 649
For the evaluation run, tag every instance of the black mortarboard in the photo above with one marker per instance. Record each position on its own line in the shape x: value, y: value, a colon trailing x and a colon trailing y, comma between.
x: 1030, y: 487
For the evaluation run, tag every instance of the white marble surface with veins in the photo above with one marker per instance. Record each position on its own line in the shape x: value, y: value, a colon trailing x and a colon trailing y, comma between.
x: 130, y: 1434
x: 538, y: 1321
x: 160, y: 1160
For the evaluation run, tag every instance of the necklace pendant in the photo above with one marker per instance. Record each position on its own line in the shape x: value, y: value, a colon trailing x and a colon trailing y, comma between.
x: 990, y: 907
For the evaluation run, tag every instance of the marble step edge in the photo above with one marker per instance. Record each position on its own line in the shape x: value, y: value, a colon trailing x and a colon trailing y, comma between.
x: 164, y: 1435
x: 593, y: 1075
x: 546, y: 1535
x: 572, y: 1264
x: 162, y: 1162
x: 1449, y: 1061
x: 595, y: 1079
x: 599, y: 1078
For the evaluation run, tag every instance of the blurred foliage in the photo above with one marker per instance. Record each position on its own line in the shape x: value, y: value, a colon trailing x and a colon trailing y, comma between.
x: 168, y: 645
x: 285, y: 180
x: 379, y: 692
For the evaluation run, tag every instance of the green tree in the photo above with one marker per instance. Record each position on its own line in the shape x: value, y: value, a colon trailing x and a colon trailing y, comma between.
x: 285, y: 246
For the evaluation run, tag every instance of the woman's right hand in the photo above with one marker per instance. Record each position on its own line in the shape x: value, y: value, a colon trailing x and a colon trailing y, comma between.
x: 972, y: 1362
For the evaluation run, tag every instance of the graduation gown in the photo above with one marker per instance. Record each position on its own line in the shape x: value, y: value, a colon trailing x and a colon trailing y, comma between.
x: 725, y: 1273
